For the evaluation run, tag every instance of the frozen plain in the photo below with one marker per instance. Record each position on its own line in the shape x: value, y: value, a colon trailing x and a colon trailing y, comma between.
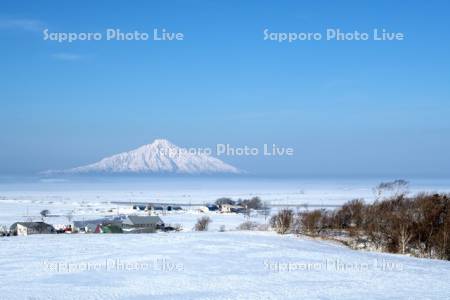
x: 199, y: 265
x: 209, y: 265
x: 23, y: 199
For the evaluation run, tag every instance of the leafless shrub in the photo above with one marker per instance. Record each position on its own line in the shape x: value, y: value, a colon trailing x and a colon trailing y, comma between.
x: 350, y: 214
x: 419, y: 225
x: 248, y: 225
x: 282, y: 221
x: 202, y: 223
x: 311, y: 222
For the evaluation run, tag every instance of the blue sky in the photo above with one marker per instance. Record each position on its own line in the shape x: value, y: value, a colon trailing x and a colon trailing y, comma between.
x: 347, y: 108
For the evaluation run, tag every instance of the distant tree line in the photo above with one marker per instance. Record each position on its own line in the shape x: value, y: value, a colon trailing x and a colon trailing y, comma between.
x: 252, y: 203
x: 417, y: 225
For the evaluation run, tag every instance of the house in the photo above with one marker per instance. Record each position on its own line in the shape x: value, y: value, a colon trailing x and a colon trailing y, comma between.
x: 27, y: 228
x: 142, y: 224
x: 91, y: 225
x: 228, y: 208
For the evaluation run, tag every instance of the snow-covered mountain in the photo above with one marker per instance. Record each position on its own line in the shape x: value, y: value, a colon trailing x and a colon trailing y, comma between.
x: 161, y: 156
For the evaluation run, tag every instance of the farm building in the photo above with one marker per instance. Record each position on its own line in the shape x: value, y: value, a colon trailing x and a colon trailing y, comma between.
x: 142, y: 224
x: 27, y: 228
x: 111, y: 228
x: 91, y: 225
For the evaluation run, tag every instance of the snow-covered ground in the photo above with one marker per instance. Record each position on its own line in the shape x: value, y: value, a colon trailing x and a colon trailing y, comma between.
x: 198, y: 265
x: 209, y: 265
x: 90, y: 198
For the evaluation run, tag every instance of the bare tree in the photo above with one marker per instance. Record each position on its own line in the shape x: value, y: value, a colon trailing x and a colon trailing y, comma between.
x: 404, y: 223
x: 388, y: 189
x: 44, y: 213
x: 253, y: 203
x: 224, y: 200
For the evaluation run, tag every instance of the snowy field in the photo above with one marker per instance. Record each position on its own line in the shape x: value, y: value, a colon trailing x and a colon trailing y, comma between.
x: 24, y: 199
x: 198, y: 265
x: 209, y: 265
